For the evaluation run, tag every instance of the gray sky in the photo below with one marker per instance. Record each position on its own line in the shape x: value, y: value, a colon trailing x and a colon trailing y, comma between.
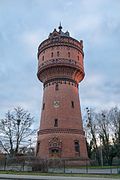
x: 24, y: 24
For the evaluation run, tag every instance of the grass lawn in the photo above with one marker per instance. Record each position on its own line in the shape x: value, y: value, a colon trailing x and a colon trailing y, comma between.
x: 93, y: 167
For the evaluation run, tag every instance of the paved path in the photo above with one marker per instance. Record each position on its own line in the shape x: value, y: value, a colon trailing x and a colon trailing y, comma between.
x: 31, y: 177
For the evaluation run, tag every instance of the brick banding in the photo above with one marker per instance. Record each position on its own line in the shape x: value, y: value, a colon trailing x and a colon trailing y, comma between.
x: 61, y: 130
x: 59, y: 80
x: 59, y: 62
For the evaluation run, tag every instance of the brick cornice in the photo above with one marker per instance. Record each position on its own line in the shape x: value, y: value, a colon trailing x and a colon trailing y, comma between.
x: 62, y: 65
x: 61, y: 130
x: 60, y: 61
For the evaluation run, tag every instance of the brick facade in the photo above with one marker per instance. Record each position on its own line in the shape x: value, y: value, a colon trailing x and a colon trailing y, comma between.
x: 60, y: 68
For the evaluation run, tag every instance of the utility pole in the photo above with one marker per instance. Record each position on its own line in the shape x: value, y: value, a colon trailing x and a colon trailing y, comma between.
x: 101, y: 153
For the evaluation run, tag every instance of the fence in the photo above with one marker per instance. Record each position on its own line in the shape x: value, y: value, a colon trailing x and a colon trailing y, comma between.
x: 23, y: 163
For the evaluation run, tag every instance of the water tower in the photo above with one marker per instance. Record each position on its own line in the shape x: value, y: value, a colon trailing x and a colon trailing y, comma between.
x: 61, y: 69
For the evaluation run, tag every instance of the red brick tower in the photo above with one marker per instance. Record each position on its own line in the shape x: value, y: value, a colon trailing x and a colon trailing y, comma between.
x: 60, y: 69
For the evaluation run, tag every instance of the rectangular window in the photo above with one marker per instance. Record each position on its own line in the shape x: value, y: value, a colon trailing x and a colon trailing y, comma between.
x: 69, y: 54
x: 42, y: 58
x: 52, y: 54
x: 43, y: 106
x: 38, y: 147
x: 56, y: 123
x: 77, y: 147
x: 72, y: 104
x: 58, y: 53
x: 56, y: 87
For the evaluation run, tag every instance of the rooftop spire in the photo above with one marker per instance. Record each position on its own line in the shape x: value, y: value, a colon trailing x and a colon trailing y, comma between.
x: 60, y: 27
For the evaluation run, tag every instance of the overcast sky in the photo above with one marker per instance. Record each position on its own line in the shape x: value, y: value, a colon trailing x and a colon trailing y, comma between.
x: 25, y: 23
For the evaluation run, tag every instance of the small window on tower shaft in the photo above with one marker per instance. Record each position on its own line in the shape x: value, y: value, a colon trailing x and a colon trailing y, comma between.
x: 72, y: 104
x: 58, y: 53
x: 43, y: 106
x: 69, y: 54
x: 56, y: 123
x: 56, y: 87
x: 42, y: 58
x: 52, y: 54
x: 38, y: 147
x: 78, y: 58
x: 77, y: 146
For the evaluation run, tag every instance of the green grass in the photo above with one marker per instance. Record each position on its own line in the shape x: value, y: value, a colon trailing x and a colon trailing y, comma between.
x: 103, y: 167
x: 114, y: 176
x: 92, y: 167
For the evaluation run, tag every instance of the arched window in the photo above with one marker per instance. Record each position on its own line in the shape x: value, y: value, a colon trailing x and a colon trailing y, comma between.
x: 55, y: 147
x: 58, y: 53
x: 77, y: 147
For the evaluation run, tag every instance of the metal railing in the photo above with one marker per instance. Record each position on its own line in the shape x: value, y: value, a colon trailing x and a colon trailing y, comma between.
x: 30, y: 163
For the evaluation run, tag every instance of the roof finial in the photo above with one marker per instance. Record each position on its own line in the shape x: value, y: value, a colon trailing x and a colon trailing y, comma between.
x: 60, y: 27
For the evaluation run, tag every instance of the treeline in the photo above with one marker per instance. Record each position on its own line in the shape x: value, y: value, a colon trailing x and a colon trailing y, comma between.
x: 103, y: 135
x: 16, y: 132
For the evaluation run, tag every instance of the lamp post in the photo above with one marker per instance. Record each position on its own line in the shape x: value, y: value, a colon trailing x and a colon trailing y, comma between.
x: 101, y: 151
x: 89, y: 117
x: 91, y: 125
x: 30, y: 143
x: 18, y: 125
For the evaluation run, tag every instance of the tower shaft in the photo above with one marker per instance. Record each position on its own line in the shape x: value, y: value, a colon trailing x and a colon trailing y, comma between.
x: 60, y: 68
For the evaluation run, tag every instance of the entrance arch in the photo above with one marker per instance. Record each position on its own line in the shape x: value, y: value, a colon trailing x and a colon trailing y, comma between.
x: 55, y: 147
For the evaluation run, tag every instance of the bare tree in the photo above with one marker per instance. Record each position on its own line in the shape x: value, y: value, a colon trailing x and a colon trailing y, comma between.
x: 114, y: 116
x: 103, y: 132
x: 15, y: 129
x: 92, y: 131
